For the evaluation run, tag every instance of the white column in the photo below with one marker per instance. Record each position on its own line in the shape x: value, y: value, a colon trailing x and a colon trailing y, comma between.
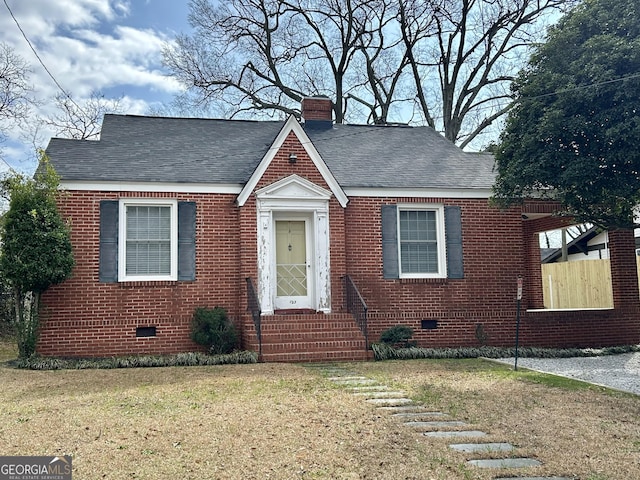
x: 323, y: 271
x: 265, y: 253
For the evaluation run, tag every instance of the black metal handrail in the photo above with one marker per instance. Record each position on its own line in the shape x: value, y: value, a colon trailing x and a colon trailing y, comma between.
x: 357, y: 307
x: 253, y: 305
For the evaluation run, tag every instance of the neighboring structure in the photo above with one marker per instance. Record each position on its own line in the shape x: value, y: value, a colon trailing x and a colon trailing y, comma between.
x: 591, y: 244
x: 170, y: 214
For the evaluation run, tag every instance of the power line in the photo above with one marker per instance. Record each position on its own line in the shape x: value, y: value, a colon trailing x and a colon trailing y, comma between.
x: 582, y: 87
x: 503, y: 104
x: 40, y: 59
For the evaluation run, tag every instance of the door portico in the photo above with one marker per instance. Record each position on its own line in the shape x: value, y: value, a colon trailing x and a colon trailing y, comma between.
x: 293, y: 246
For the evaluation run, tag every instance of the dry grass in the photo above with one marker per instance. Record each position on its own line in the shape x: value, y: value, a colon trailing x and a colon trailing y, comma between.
x: 286, y: 422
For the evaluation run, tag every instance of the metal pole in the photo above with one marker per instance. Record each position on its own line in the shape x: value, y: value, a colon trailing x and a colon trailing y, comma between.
x: 515, y: 366
x: 519, y: 299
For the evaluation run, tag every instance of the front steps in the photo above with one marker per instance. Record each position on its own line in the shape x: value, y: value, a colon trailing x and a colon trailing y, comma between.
x: 307, y: 337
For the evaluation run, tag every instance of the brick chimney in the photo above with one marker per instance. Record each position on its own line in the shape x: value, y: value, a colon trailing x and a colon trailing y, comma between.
x: 317, y: 112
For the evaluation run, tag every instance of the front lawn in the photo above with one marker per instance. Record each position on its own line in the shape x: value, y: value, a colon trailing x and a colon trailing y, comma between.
x: 284, y: 421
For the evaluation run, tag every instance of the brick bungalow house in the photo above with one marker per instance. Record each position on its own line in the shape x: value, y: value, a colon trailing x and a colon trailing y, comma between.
x: 294, y: 227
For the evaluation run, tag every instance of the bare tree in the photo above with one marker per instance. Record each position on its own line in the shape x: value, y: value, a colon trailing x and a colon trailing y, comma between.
x: 266, y: 55
x: 479, y: 47
x: 382, y: 63
x: 15, y: 90
x: 446, y: 63
x: 80, y: 121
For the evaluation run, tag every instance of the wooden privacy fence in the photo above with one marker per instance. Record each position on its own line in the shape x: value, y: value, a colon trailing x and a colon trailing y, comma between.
x: 581, y: 284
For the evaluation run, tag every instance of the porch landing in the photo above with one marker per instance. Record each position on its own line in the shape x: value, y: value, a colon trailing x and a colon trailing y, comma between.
x: 306, y: 337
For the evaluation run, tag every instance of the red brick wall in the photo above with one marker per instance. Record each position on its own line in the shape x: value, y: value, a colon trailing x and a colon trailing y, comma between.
x: 317, y: 108
x: 582, y: 328
x: 593, y: 328
x: 280, y: 167
x: 83, y: 317
x: 493, y: 258
x: 482, y: 307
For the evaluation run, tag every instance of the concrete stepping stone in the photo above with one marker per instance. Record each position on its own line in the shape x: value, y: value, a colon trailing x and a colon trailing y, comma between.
x: 436, y: 424
x: 403, y: 408
x: 425, y: 414
x: 455, y: 434
x: 535, y: 478
x: 381, y: 394
x: 353, y: 381
x: 482, y: 447
x: 389, y: 401
x: 505, y: 463
x: 347, y: 378
x: 369, y: 388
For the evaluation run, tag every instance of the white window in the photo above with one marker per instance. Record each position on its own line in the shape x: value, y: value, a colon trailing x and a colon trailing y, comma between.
x: 148, y: 240
x: 421, y: 241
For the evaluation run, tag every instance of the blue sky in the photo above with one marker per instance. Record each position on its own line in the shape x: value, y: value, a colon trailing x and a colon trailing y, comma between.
x: 110, y: 46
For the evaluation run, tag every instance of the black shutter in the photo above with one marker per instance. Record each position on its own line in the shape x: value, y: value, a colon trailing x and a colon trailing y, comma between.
x: 453, y: 231
x: 108, y: 269
x: 389, y: 220
x: 186, y: 241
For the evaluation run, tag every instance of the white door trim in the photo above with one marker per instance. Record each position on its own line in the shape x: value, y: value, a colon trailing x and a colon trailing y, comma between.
x: 290, y: 198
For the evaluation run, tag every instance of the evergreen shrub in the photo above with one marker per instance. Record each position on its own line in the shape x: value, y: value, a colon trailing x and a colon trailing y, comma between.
x: 212, y: 328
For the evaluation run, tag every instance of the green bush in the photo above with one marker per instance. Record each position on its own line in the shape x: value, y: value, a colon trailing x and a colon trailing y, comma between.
x: 188, y: 359
x: 36, y: 250
x: 384, y: 351
x: 7, y: 310
x: 212, y: 328
x: 398, y: 336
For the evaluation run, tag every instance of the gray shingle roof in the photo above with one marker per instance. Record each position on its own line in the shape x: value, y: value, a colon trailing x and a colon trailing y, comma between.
x: 399, y: 157
x: 187, y: 150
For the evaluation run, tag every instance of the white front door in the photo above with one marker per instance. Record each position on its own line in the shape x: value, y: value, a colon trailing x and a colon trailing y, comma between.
x: 293, y: 264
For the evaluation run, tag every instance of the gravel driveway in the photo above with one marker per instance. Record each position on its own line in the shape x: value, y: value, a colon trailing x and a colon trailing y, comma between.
x: 621, y: 372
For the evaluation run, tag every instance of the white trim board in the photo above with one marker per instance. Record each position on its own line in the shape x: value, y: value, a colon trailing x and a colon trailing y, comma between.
x: 481, y: 193
x: 151, y: 187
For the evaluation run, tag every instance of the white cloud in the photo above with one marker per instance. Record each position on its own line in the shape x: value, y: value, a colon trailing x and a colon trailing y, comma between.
x: 88, y: 46
x: 94, y: 61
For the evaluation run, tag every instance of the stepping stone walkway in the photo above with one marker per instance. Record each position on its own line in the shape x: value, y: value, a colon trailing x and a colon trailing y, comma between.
x: 534, y: 478
x: 390, y: 401
x: 414, y: 415
x: 430, y: 425
x: 455, y: 434
x: 505, y: 463
x: 399, y: 406
x: 371, y: 394
x: 482, y: 447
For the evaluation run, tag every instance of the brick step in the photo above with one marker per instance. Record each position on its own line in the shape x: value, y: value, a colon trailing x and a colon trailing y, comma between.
x: 309, y: 316
x: 308, y: 331
x: 308, y: 321
x: 308, y: 326
x: 312, y: 345
x: 328, y: 356
x: 307, y: 337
